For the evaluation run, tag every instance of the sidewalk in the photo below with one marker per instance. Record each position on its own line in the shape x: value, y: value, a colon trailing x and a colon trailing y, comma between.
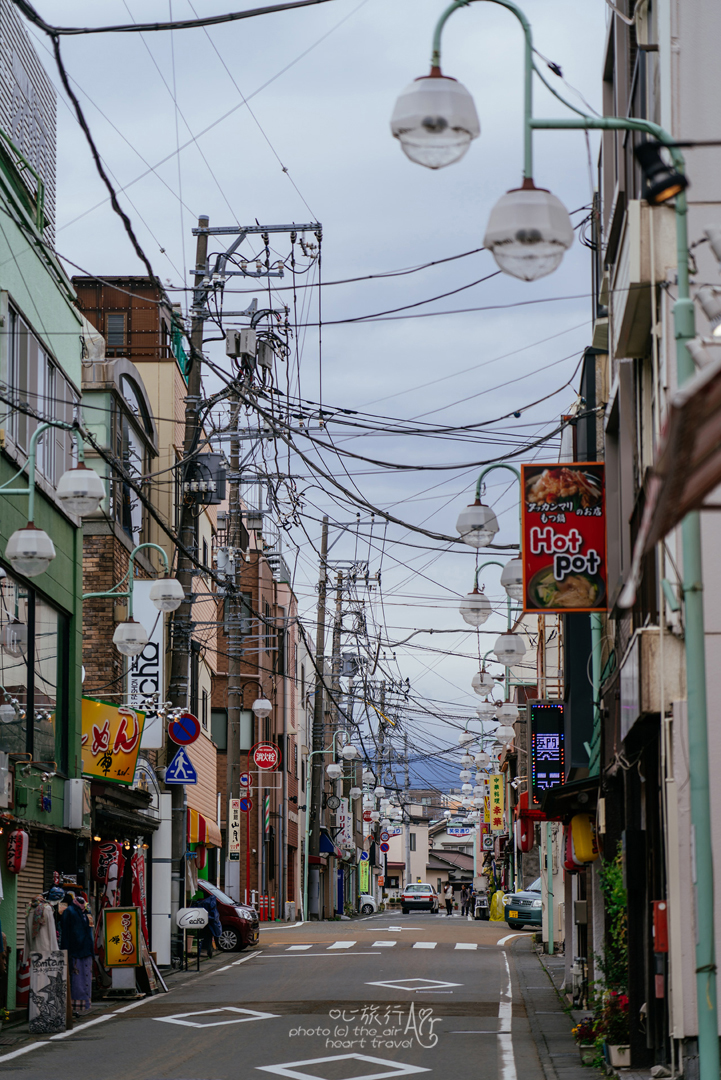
x: 550, y: 1020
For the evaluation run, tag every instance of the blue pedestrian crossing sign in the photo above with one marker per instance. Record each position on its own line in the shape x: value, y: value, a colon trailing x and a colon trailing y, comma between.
x: 181, y: 769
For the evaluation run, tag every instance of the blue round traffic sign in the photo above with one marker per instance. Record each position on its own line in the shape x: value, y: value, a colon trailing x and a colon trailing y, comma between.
x: 246, y: 804
x: 184, y: 730
x: 385, y: 848
x: 364, y: 856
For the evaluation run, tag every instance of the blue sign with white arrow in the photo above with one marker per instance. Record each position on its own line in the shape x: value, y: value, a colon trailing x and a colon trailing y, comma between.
x: 181, y: 770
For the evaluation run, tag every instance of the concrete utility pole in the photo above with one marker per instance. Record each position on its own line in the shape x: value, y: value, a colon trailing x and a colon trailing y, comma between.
x: 182, y: 619
x: 337, y: 630
x: 235, y: 639
x: 409, y: 876
x: 317, y: 767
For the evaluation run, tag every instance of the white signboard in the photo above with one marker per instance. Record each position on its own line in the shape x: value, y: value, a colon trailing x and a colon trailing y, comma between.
x: 191, y: 918
x: 146, y: 673
x: 234, y: 830
x: 344, y: 821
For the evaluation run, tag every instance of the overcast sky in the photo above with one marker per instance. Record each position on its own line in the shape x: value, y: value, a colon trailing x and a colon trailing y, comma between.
x: 326, y: 121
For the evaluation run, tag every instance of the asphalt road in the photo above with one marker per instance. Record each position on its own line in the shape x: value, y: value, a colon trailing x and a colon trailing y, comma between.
x: 386, y: 996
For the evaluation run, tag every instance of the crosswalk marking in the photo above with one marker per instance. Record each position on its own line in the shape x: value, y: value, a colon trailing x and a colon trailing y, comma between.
x: 383, y: 944
x: 465, y: 945
x: 342, y: 945
x: 425, y: 945
x: 298, y: 948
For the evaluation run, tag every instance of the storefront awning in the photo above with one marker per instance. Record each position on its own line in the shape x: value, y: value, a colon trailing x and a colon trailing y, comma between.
x: 203, y: 830
x: 327, y: 847
x: 687, y: 467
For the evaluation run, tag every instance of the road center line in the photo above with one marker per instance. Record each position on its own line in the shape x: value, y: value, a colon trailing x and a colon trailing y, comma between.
x: 505, y: 1038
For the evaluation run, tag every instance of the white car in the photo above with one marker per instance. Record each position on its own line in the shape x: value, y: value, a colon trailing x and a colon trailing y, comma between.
x: 367, y: 905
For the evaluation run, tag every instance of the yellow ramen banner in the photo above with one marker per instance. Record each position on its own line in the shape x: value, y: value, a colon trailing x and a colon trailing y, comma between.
x: 122, y: 940
x: 496, y: 783
x: 110, y: 741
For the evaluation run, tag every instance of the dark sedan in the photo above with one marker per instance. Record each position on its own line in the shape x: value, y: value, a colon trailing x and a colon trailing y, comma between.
x: 525, y: 908
x: 239, y: 921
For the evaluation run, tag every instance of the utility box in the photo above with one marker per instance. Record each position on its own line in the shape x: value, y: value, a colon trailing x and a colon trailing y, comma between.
x: 290, y: 911
x: 74, y: 803
x: 580, y: 912
x: 240, y: 343
x: 266, y: 354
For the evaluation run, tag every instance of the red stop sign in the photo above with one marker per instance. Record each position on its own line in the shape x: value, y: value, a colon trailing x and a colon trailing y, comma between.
x: 367, y: 815
x: 266, y: 756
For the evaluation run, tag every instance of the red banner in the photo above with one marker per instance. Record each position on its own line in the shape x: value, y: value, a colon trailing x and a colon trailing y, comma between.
x: 139, y: 892
x: 564, y: 537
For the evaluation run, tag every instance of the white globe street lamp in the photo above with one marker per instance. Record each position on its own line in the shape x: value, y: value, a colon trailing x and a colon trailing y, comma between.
x: 375, y: 816
x: 505, y: 733
x: 512, y: 579
x: 30, y: 551
x: 167, y: 594
x: 508, y: 712
x: 80, y: 490
x: 477, y: 525
x: 466, y: 737
x: 483, y: 759
x: 130, y: 638
x: 355, y: 793
x: 467, y: 789
x: 350, y: 752
x: 435, y: 120
x: 262, y: 708
x: 379, y: 792
x: 475, y: 608
x: 509, y: 649
x: 334, y: 770
x: 486, y: 710
x: 483, y: 682
x: 528, y: 232
x: 368, y: 777
x: 464, y: 775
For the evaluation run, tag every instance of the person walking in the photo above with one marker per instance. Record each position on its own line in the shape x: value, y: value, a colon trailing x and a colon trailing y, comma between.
x: 214, y: 928
x: 464, y: 900
x: 76, y: 936
x: 448, y: 895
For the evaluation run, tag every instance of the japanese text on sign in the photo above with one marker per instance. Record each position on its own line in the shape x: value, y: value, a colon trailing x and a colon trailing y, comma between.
x: 564, y: 537
x: 496, y: 786
x: 234, y: 830
x: 122, y: 939
x: 110, y: 740
x: 547, y: 747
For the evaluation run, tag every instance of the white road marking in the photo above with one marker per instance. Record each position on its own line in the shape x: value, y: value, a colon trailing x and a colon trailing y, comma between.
x: 416, y: 985
x: 425, y: 945
x: 312, y: 956
x: 505, y: 1038
x: 97, y: 1020
x: 249, y: 1014
x: 298, y: 948
x: 342, y: 945
x: 384, y: 944
x: 399, y: 929
x: 471, y: 1033
x: 243, y: 959
x: 22, y: 1050
x: 465, y: 945
x: 508, y: 938
x: 288, y: 1068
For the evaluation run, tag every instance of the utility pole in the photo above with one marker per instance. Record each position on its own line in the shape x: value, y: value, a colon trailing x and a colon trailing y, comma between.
x: 182, y: 620
x: 233, y: 631
x: 409, y: 877
x: 337, y: 629
x: 317, y: 771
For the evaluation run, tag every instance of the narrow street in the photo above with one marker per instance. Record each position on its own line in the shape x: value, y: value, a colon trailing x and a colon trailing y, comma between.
x: 390, y: 995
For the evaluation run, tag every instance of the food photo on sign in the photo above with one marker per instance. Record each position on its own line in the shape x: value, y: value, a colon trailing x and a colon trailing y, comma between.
x: 564, y: 537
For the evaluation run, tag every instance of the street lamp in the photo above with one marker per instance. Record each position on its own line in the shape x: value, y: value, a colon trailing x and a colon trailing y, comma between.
x: 435, y: 120
x: 528, y: 232
x: 261, y: 708
x: 30, y: 551
x: 355, y: 793
x: 334, y: 770
x: 477, y: 524
x: 508, y: 712
x: 512, y: 579
x: 80, y: 490
x: 466, y: 737
x: 483, y: 682
x: 167, y: 594
x: 475, y: 607
x: 130, y: 638
x: 350, y: 752
x: 368, y: 777
x: 379, y: 792
x: 486, y: 710
x: 509, y: 649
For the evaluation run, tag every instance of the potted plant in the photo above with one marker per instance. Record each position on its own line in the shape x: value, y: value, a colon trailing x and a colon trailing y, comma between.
x: 585, y: 1035
x: 615, y: 1029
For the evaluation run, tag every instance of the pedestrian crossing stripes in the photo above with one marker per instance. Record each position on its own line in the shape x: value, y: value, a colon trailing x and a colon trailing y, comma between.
x: 322, y: 948
x: 425, y: 945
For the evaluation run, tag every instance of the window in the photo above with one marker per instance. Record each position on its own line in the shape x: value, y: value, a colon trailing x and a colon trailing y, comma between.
x: 34, y: 674
x: 130, y: 449
x: 34, y: 381
x: 295, y: 759
x: 412, y: 841
x: 219, y: 728
x: 302, y: 686
x: 115, y: 330
x: 204, y: 709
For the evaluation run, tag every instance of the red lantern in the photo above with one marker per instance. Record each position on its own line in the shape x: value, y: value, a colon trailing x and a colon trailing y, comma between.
x: 201, y: 857
x: 17, y: 852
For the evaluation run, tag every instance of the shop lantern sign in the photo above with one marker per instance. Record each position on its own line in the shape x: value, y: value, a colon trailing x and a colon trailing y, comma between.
x: 17, y: 850
x: 564, y: 537
x: 110, y: 741
x: 496, y: 785
x: 547, y: 760
x: 122, y: 937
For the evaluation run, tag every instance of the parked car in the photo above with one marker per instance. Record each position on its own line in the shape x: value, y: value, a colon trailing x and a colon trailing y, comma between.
x: 419, y: 897
x: 240, y: 923
x: 525, y: 908
x: 367, y: 904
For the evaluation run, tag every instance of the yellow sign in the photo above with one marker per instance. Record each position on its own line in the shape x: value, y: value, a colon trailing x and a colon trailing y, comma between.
x: 111, y: 740
x: 496, y: 783
x: 487, y: 809
x: 122, y: 937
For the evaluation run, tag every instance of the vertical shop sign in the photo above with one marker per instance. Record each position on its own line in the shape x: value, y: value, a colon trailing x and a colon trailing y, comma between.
x: 364, y: 873
x: 122, y: 937
x: 564, y: 537
x: 344, y: 821
x: 139, y: 893
x: 234, y: 830
x: 547, y: 747
x: 496, y: 783
x: 487, y: 809
x: 146, y: 674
